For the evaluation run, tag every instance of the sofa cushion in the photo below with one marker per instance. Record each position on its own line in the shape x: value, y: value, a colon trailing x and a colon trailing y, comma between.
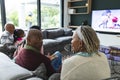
x: 41, y: 71
x: 49, y: 42
x: 64, y: 39
x: 51, y: 34
x: 11, y: 71
x: 33, y: 78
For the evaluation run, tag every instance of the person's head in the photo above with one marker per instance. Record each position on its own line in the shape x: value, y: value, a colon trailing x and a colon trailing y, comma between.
x: 35, y: 27
x: 85, y: 39
x: 18, y: 33
x: 34, y: 38
x: 9, y: 27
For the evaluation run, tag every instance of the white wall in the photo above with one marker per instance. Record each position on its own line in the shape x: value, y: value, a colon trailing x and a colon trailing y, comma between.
x: 66, y: 15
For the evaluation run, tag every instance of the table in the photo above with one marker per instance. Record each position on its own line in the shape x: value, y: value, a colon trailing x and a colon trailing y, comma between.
x: 115, y: 57
x: 113, y: 54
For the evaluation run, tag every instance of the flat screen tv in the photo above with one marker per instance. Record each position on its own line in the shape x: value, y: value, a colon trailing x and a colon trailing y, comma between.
x: 106, y: 20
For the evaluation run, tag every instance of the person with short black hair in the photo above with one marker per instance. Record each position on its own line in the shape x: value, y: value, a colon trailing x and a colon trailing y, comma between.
x: 18, y: 36
x: 35, y: 27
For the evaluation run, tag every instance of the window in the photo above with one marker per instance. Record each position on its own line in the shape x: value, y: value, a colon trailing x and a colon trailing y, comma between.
x: 0, y: 22
x: 1, y: 17
x: 22, y: 13
x: 50, y: 14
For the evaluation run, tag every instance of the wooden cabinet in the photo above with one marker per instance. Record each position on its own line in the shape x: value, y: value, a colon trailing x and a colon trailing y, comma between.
x: 79, y: 6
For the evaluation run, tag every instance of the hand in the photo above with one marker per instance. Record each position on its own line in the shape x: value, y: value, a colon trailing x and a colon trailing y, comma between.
x: 51, y: 57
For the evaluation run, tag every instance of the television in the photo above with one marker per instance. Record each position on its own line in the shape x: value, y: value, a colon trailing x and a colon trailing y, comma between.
x: 106, y: 20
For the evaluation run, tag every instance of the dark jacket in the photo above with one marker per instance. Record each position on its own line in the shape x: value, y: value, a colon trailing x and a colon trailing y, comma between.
x: 30, y: 60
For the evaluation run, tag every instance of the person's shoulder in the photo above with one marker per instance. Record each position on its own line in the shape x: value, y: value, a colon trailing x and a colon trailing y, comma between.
x: 27, y: 51
x: 70, y: 60
x: 5, y: 33
x: 102, y: 54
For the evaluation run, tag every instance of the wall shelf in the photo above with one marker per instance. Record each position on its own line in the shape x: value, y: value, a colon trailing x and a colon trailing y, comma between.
x: 79, y: 6
x: 73, y: 27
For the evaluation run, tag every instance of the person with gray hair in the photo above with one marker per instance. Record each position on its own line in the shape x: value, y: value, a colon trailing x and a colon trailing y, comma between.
x: 7, y: 40
x: 7, y: 35
x: 87, y: 63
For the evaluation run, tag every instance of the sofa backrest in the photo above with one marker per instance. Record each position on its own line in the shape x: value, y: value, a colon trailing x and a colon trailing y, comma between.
x: 51, y: 34
x: 44, y: 34
x: 54, y: 33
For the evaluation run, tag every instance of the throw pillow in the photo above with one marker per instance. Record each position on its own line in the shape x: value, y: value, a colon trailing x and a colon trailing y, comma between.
x: 55, y: 76
x: 41, y: 71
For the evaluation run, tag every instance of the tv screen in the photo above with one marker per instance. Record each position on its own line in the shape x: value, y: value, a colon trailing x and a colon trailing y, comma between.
x: 106, y: 20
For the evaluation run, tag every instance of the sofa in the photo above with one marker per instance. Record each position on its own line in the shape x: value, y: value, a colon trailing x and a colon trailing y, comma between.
x: 12, y: 71
x: 53, y: 40
x: 9, y: 70
x: 56, y: 39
